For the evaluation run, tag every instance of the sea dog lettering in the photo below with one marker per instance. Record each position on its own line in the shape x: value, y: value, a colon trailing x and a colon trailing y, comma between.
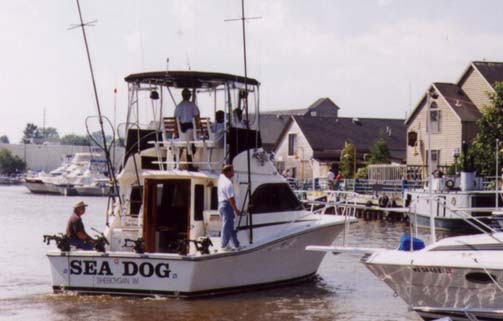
x: 87, y: 267
x: 130, y: 268
x: 146, y: 269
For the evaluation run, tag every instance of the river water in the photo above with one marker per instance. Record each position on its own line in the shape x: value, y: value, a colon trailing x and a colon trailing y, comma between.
x: 344, y: 290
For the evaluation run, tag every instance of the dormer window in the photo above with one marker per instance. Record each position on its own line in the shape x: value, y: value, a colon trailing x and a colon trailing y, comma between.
x: 314, y: 114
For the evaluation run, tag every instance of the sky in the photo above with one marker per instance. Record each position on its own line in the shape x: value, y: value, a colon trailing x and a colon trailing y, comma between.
x: 373, y: 58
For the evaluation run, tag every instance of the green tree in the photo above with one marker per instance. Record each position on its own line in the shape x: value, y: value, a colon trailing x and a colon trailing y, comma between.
x: 4, y: 139
x: 490, y: 127
x: 72, y: 139
x: 50, y: 134
x: 10, y: 164
x: 379, y: 154
x: 347, y: 165
x: 30, y: 132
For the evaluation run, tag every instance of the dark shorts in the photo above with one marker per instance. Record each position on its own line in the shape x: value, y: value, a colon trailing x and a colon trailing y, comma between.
x: 186, y: 126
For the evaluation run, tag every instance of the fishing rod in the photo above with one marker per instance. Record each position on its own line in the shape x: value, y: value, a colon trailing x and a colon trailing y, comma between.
x: 110, y: 167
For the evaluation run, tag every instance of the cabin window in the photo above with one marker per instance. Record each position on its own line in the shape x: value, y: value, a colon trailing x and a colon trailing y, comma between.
x: 274, y: 197
x: 292, y: 144
x: 198, y: 202
x: 214, y: 198
x: 135, y: 200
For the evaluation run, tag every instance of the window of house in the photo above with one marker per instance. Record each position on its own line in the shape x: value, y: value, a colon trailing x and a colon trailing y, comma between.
x: 274, y: 197
x: 293, y: 171
x: 292, y: 144
x: 434, y: 118
x: 435, y: 156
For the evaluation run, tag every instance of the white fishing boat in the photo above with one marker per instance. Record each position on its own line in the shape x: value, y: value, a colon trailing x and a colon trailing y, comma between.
x: 163, y: 230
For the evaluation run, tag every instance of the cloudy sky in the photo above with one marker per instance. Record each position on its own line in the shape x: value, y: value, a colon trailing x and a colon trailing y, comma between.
x: 373, y: 58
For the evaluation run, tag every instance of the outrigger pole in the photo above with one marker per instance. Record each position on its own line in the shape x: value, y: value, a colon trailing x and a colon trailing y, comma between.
x: 110, y: 167
x: 248, y: 190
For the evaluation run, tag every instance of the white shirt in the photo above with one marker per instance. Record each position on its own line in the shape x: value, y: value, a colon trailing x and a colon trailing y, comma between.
x: 225, y: 188
x: 330, y: 176
x: 186, y: 111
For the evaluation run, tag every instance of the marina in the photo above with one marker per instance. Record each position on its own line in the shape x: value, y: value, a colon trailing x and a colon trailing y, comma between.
x: 266, y: 179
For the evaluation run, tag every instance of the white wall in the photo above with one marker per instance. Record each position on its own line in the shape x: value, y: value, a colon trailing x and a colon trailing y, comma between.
x: 48, y: 157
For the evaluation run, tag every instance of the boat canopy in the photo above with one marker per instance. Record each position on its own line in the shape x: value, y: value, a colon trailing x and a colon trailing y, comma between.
x: 188, y: 79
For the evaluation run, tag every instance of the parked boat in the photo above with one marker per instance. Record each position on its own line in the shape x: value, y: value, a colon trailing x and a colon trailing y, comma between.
x: 164, y: 230
x: 457, y: 277
x: 459, y: 203
x: 81, y: 171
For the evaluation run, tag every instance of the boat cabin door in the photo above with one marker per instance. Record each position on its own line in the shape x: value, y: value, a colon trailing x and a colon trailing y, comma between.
x: 166, y: 215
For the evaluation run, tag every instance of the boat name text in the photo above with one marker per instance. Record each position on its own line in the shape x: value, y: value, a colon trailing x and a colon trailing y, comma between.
x: 129, y: 268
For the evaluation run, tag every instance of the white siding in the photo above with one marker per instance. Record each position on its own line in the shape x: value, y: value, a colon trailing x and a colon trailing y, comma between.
x: 476, y: 88
x: 446, y: 140
x: 301, y: 161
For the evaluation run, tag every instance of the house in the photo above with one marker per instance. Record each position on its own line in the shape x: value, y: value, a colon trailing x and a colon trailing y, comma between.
x: 453, y: 116
x: 273, y: 122
x: 311, y: 142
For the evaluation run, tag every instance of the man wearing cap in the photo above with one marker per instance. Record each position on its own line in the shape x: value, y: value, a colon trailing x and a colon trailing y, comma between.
x: 227, y: 207
x: 185, y: 112
x: 75, y: 228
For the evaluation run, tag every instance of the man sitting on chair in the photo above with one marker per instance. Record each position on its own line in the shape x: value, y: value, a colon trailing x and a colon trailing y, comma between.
x: 185, y: 113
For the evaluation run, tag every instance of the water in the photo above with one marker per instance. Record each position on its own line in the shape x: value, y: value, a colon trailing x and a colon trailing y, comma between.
x: 345, y: 289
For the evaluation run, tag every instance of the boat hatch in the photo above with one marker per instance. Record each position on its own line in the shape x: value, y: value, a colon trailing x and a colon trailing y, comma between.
x: 166, y: 216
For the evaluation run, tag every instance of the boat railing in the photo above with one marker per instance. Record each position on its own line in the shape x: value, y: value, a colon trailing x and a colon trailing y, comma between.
x: 358, y: 185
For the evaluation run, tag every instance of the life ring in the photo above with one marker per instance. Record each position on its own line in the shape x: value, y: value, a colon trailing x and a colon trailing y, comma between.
x: 449, y: 183
x: 383, y: 201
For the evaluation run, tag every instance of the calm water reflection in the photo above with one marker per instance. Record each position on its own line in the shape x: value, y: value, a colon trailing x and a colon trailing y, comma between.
x: 344, y: 290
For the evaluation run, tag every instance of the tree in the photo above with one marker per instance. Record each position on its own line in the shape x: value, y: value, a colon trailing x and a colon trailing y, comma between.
x: 4, y: 139
x: 490, y: 127
x: 10, y: 164
x: 379, y: 154
x: 30, y: 132
x: 72, y: 139
x: 347, y: 164
x: 50, y: 134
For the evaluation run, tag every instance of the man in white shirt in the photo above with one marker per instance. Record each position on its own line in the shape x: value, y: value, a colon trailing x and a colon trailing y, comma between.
x: 218, y: 128
x: 185, y: 112
x: 227, y: 207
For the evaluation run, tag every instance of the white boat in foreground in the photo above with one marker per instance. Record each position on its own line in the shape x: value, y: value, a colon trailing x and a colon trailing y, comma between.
x: 164, y: 229
x: 457, y: 277
x: 454, y: 277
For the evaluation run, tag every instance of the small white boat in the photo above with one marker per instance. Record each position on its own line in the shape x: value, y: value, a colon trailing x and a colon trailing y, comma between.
x: 80, y: 170
x: 455, y: 277
x: 164, y: 228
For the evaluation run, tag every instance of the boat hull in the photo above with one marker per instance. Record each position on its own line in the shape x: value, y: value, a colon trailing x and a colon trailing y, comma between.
x: 422, y: 286
x: 39, y: 187
x: 92, y: 191
x: 431, y: 314
x: 277, y: 262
